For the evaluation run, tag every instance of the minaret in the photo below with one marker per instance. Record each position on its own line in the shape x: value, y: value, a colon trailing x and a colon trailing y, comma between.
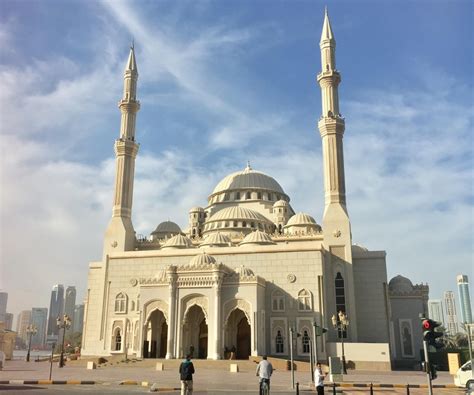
x: 336, y: 223
x: 331, y: 126
x: 120, y: 235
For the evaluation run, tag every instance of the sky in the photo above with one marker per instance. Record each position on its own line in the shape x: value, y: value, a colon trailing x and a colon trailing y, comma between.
x: 222, y: 83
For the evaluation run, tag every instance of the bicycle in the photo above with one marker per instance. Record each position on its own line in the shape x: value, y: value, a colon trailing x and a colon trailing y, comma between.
x: 264, y: 385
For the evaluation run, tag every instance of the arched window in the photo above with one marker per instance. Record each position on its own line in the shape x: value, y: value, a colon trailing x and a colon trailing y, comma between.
x: 236, y: 224
x: 237, y: 195
x: 259, y: 195
x: 252, y: 224
x: 340, y: 298
x: 138, y: 302
x: 132, y: 305
x: 305, y: 342
x: 278, y: 301
x: 226, y: 196
x: 118, y: 340
x: 279, y: 343
x: 248, y: 195
x: 304, y: 300
x: 280, y: 229
x: 121, y: 303
x: 244, y: 224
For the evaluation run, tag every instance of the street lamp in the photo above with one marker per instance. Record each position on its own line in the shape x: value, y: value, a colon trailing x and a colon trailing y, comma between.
x: 63, y: 323
x: 340, y: 323
x: 31, y: 330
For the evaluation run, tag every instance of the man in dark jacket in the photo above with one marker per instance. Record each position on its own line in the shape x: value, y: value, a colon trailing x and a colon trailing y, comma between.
x: 186, y: 371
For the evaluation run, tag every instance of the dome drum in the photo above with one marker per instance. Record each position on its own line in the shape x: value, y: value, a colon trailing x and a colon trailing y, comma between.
x: 165, y: 230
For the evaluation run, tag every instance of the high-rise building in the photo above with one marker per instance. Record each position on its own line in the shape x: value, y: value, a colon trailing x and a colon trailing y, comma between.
x: 3, y: 305
x: 22, y: 322
x: 464, y: 299
x: 8, y: 321
x: 56, y: 308
x: 39, y: 318
x: 451, y: 316
x: 78, y: 318
x: 70, y: 302
x: 435, y: 310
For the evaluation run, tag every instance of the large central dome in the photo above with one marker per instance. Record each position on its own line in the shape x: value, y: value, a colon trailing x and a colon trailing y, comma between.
x: 248, y: 179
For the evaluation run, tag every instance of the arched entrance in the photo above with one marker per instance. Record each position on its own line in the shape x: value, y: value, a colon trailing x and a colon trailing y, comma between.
x: 155, y: 336
x: 195, y: 333
x: 238, y: 334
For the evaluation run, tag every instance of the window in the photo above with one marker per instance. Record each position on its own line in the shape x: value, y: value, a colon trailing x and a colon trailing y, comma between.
x: 278, y: 301
x: 279, y: 343
x: 236, y: 224
x: 305, y: 342
x: 304, y: 300
x: 252, y: 224
x: 259, y: 195
x: 278, y: 197
x: 237, y: 195
x: 226, y: 224
x: 121, y: 303
x: 118, y: 340
x: 226, y: 196
x: 244, y: 224
x: 248, y: 195
x: 340, y: 300
x: 132, y: 305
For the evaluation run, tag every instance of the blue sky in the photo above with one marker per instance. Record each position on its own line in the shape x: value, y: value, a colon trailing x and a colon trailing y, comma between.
x: 223, y: 82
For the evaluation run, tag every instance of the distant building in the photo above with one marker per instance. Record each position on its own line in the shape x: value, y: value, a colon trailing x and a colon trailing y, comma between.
x: 7, y: 340
x: 22, y: 322
x: 56, y: 309
x: 8, y: 321
x: 78, y: 318
x: 435, y: 310
x: 464, y: 299
x: 451, y: 316
x: 39, y: 318
x: 70, y: 302
x: 3, y: 305
x: 407, y: 302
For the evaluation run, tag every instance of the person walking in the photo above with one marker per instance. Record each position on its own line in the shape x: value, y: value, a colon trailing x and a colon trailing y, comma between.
x: 186, y: 371
x: 264, y: 371
x: 319, y: 377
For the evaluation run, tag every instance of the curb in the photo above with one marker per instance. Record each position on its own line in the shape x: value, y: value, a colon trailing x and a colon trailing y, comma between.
x: 48, y: 382
x: 379, y: 385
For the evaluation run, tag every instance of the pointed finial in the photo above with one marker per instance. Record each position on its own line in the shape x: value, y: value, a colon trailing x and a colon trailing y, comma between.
x: 132, y: 46
x: 327, y: 30
x: 248, y: 166
x: 131, y: 63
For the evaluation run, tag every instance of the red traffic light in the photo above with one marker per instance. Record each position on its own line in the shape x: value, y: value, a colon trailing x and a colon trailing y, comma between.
x: 427, y: 324
x: 430, y: 325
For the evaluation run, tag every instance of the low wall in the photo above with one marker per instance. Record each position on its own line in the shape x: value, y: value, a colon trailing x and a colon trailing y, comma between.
x: 363, y: 356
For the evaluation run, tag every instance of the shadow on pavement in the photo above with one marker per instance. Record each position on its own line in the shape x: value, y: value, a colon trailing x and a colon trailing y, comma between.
x: 11, y: 387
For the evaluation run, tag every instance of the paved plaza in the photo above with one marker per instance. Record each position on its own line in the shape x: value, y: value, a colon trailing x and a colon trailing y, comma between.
x: 210, y: 378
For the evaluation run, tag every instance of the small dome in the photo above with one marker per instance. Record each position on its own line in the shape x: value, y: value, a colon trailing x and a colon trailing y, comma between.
x: 167, y: 227
x: 202, y: 260
x: 257, y: 237
x: 248, y: 179
x: 236, y: 213
x: 301, y: 219
x: 281, y: 203
x: 178, y: 241
x: 196, y: 210
x: 243, y: 271
x: 400, y: 284
x: 216, y: 240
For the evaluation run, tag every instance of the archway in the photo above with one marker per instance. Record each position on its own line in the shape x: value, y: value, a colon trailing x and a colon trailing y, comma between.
x: 238, y: 334
x: 156, y: 336
x: 195, y: 333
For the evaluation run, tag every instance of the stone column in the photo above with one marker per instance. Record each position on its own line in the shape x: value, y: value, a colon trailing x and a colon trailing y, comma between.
x: 217, y: 315
x: 172, y: 277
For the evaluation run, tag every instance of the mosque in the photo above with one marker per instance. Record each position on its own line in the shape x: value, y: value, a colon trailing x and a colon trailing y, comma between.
x: 251, y: 274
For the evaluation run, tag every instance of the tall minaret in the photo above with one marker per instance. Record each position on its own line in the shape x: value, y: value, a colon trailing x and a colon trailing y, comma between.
x: 120, y: 235
x: 336, y: 223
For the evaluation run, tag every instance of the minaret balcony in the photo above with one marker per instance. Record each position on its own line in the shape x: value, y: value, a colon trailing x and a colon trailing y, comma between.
x: 129, y: 105
x: 329, y: 76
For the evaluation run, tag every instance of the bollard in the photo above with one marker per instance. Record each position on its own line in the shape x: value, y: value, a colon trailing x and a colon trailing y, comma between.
x: 333, y: 388
x: 408, y: 389
x: 371, y: 389
x: 297, y: 388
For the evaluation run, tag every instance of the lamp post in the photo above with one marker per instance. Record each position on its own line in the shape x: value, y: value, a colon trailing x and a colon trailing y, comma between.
x: 340, y: 323
x: 31, y: 330
x: 63, y: 323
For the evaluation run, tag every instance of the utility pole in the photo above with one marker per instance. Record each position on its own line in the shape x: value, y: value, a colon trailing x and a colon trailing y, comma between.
x: 291, y: 359
x: 427, y: 367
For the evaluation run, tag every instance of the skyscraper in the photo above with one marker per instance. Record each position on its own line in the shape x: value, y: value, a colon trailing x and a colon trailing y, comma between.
x: 56, y: 308
x: 464, y: 299
x: 3, y: 305
x: 435, y: 310
x: 39, y: 318
x: 78, y: 318
x: 24, y: 319
x: 451, y: 316
x: 70, y: 302
x: 8, y: 321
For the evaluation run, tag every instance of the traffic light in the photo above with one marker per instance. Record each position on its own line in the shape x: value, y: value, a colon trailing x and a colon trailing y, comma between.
x: 319, y: 330
x: 430, y: 335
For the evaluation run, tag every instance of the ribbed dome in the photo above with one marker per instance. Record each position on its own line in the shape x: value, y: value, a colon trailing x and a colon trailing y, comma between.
x: 400, y: 284
x: 196, y: 209
x: 202, y: 260
x: 248, y: 179
x: 257, y: 237
x: 238, y: 213
x: 301, y: 219
x: 178, y: 241
x: 216, y: 240
x: 280, y: 203
x: 244, y: 271
x: 167, y: 227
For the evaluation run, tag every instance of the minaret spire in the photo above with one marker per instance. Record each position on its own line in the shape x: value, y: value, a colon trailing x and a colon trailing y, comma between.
x: 120, y: 235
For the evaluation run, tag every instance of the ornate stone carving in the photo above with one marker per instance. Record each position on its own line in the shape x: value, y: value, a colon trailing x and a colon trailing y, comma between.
x: 200, y: 301
x: 291, y: 278
x: 133, y: 282
x: 241, y: 304
x: 337, y: 233
x: 153, y: 305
